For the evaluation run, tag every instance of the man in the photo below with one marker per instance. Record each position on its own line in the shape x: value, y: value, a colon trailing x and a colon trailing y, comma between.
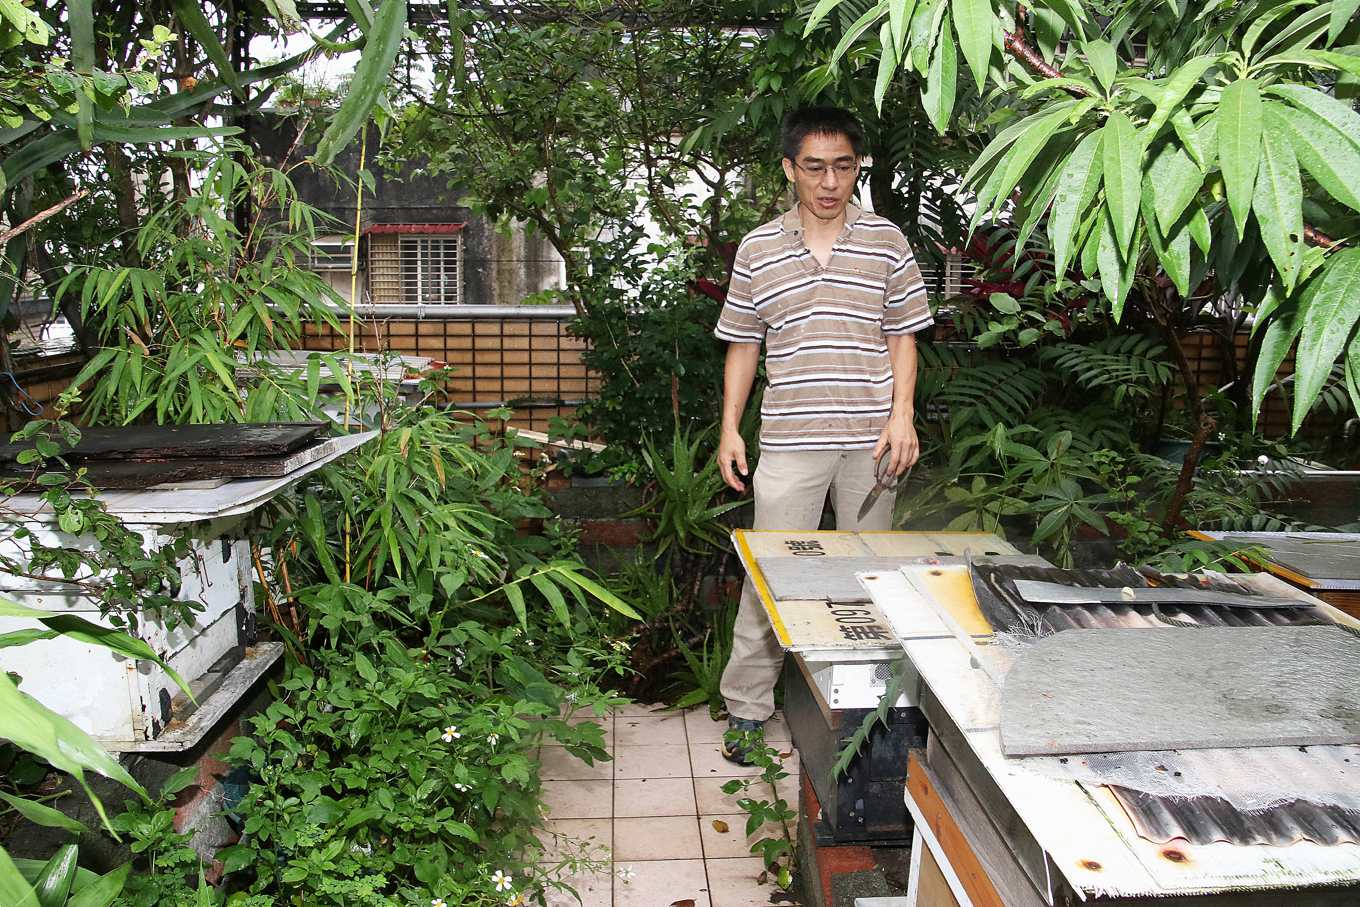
x: 835, y: 295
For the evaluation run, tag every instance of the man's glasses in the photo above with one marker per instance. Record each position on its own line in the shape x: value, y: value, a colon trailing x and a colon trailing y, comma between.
x: 818, y: 170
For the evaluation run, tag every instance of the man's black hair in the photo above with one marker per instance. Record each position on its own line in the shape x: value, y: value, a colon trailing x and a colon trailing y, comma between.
x: 806, y: 121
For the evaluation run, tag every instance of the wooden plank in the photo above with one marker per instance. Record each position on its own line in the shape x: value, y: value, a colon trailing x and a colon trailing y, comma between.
x: 956, y: 849
x: 932, y: 890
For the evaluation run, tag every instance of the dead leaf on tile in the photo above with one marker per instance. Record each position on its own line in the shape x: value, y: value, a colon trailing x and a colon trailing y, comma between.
x: 763, y: 877
x: 687, y: 902
x: 720, y: 826
x: 786, y: 755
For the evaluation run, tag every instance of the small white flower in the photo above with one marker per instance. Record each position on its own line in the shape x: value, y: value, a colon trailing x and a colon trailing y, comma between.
x: 438, y: 902
x: 460, y: 787
x: 625, y: 874
x: 492, y: 738
x: 451, y: 733
x: 501, y: 880
x: 1263, y: 460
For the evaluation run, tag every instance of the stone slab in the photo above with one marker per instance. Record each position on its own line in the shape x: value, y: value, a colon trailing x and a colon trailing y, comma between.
x: 1092, y: 691
x: 832, y: 579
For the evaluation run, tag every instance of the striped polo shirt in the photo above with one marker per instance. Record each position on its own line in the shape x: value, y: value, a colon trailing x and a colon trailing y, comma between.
x: 826, y: 359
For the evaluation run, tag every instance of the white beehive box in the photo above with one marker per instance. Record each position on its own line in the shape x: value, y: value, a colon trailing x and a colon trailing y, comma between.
x: 126, y: 704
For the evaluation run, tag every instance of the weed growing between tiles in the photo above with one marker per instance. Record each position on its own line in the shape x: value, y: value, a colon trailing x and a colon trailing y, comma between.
x: 776, y: 848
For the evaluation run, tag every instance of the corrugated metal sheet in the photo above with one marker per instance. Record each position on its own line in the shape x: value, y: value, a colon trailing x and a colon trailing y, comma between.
x: 1196, y: 819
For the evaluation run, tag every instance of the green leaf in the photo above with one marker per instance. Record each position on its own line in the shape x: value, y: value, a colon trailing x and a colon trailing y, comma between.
x: 1121, y: 155
x: 860, y: 26
x: 974, y: 21
x: 370, y: 78
x: 599, y: 592
x: 1275, y: 343
x: 1174, y: 91
x: 1076, y: 187
x: 102, y: 891
x: 1100, y: 55
x: 1322, y: 146
x: 1327, y: 321
x: 1199, y: 231
x: 1239, y: 145
x: 14, y: 890
x: 887, y: 65
x: 548, y: 590
x: 11, y: 608
x: 1342, y: 11
x: 53, y: 884
x: 41, y: 814
x: 1353, y: 374
x: 82, y: 630
x: 1278, y: 203
x: 819, y: 13
x: 1175, y: 181
x: 190, y: 15
x: 516, y: 597
x: 937, y: 95
x: 899, y: 20
x: 1016, y: 162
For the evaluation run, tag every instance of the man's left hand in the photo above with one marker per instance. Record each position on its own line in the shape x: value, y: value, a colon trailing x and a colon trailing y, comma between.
x: 898, y: 441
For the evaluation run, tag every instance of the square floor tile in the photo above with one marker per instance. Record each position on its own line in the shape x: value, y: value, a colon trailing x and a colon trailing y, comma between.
x: 709, y: 798
x: 654, y: 797
x: 657, y: 838
x: 564, y: 839
x: 702, y: 728
x: 652, y: 762
x: 595, y: 889
x: 639, y: 730
x: 555, y: 763
x: 658, y: 883
x: 578, y: 799
x: 733, y: 842
x: 708, y: 762
x: 635, y: 709
x: 733, y: 882
x: 777, y: 729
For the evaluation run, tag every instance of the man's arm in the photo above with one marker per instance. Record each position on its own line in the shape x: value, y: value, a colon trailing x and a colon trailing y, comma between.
x: 738, y: 374
x: 899, y: 435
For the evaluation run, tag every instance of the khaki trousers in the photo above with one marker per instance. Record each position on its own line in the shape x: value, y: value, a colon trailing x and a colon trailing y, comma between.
x: 790, y: 488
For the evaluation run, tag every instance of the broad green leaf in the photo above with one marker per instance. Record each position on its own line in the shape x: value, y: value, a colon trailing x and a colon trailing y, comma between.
x: 1300, y: 31
x: 1196, y: 140
x: 1076, y: 187
x: 974, y: 22
x: 53, y: 884
x: 1342, y: 11
x: 1174, y: 91
x: 361, y: 11
x: 370, y: 78
x: 1016, y: 163
x: 80, y: 19
x: 1175, y: 181
x: 1263, y: 21
x: 1048, y: 27
x: 1327, y: 320
x: 937, y: 95
x: 1100, y: 55
x: 859, y: 27
x: 285, y: 13
x: 1339, y: 114
x: 1279, y: 336
x: 1326, y: 153
x: 1239, y: 145
x: 1353, y: 373
x: 11, y: 608
x: 887, y: 65
x: 14, y: 890
x: 1110, y: 267
x: 515, y: 595
x: 1071, y: 13
x: 899, y: 20
x: 102, y: 891
x: 1199, y: 231
x: 1174, y: 252
x: 1121, y: 158
x: 1008, y: 136
x: 42, y: 814
x: 599, y: 592
x: 549, y: 591
x: 1278, y: 203
x: 31, y: 726
x: 190, y: 15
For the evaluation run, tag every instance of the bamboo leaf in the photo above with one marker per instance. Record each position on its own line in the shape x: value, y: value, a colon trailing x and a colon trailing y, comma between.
x: 937, y: 95
x: 974, y: 21
x: 370, y: 78
x: 1076, y: 187
x: 549, y: 591
x: 1239, y: 145
x: 1326, y: 324
x: 1121, y: 156
x: 515, y: 595
x: 1278, y: 203
x: 102, y: 891
x: 599, y: 592
x: 14, y: 889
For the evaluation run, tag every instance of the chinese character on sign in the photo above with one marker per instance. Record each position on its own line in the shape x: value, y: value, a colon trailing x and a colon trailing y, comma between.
x: 862, y: 632
x: 808, y: 548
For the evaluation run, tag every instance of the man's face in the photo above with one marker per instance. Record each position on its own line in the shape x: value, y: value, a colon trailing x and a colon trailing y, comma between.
x: 824, y: 174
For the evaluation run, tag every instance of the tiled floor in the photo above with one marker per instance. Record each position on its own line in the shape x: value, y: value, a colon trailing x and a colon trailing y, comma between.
x: 658, y: 814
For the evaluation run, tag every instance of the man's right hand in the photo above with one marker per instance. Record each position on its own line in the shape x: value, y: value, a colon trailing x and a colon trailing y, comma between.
x: 732, y: 459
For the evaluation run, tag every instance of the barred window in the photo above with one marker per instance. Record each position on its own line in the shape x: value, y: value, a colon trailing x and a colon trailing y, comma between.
x: 432, y: 269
